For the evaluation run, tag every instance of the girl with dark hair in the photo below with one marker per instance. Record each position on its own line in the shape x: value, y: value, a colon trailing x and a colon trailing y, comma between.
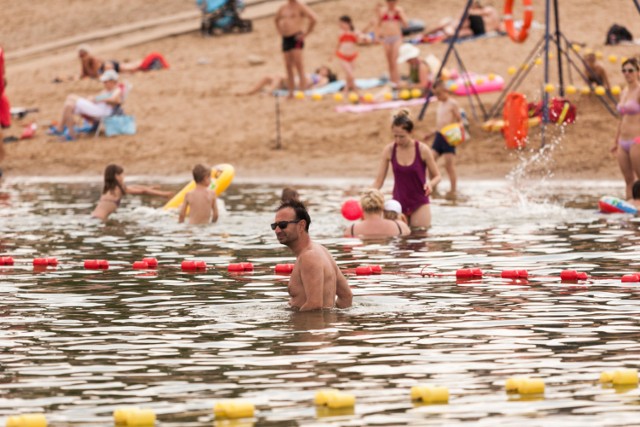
x: 626, y: 145
x: 114, y: 189
x: 414, y: 169
x: 347, y: 52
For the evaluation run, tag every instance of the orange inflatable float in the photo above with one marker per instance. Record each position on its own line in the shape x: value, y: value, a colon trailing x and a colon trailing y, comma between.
x: 516, y: 120
x: 526, y: 24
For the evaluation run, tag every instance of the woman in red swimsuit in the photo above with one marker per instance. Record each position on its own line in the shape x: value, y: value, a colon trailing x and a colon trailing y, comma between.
x: 347, y: 51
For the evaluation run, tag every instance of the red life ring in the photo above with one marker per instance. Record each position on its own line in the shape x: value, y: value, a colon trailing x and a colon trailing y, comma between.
x: 526, y: 24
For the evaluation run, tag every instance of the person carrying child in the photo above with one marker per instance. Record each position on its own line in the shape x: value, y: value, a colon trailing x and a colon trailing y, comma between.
x: 447, y: 115
x: 115, y: 189
x: 200, y: 203
x: 347, y: 52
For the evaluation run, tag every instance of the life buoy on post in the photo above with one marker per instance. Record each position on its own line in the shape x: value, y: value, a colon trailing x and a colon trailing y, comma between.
x: 526, y: 24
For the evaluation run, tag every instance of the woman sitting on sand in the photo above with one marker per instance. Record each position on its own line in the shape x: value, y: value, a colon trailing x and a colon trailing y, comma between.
x: 374, y: 225
x: 101, y: 106
x: 627, y: 142
x: 114, y: 189
x: 321, y: 77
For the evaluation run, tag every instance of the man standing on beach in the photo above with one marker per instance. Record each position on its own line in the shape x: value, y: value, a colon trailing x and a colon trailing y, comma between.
x: 316, y: 281
x: 290, y: 22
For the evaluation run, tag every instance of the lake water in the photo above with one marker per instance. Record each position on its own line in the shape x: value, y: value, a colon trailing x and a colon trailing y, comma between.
x: 77, y: 344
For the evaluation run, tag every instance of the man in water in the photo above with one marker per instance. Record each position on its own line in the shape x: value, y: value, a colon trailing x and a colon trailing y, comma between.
x: 289, y: 22
x: 316, y: 281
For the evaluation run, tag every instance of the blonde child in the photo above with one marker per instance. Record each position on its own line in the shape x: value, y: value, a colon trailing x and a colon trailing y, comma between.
x: 200, y: 203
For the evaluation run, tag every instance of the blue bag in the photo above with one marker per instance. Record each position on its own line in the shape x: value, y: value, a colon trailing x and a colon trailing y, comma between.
x: 120, y: 124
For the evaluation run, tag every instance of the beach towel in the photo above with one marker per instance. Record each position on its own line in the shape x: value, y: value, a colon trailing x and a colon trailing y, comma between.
x: 335, y: 87
x: 365, y: 108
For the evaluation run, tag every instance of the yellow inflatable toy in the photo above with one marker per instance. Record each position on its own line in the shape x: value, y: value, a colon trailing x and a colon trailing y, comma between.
x: 454, y: 134
x: 221, y: 177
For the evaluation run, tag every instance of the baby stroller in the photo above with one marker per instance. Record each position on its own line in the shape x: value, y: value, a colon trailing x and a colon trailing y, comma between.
x: 222, y: 16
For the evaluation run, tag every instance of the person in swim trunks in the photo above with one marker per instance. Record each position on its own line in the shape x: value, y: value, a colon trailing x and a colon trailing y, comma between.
x: 447, y: 113
x: 414, y: 168
x: 626, y: 145
x: 114, y: 190
x: 289, y: 21
x: 391, y: 20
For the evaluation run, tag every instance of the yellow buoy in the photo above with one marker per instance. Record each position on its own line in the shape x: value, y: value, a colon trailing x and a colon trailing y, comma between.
x: 550, y: 56
x: 525, y: 66
x: 511, y: 70
x: 576, y: 48
x: 298, y: 94
x: 598, y: 54
x: 479, y: 81
x: 606, y: 376
x: 585, y: 90
x: 353, y: 97
x: 416, y: 93
x: 613, y: 59
x: 549, y: 88
x: 405, y: 94
x: 120, y: 414
x: 491, y: 77
x: 322, y: 396
x: 571, y: 90
x: 27, y: 420
x: 338, y: 97
x: 233, y: 408
x: 615, y: 90
x: 316, y: 96
x: 140, y: 418
x: 625, y: 377
x: 538, y: 61
x: 453, y: 87
x: 512, y: 385
x: 388, y: 96
x: 600, y: 90
x: 367, y: 97
x: 430, y: 394
x: 341, y: 400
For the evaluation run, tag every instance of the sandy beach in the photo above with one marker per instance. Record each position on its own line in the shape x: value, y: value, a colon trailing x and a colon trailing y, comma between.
x: 191, y: 113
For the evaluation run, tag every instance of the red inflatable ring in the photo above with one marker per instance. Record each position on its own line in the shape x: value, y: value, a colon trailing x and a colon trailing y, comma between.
x: 508, y: 20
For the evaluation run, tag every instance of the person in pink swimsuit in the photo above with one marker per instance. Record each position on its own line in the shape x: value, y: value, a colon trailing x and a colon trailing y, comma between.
x: 414, y: 170
x: 626, y: 146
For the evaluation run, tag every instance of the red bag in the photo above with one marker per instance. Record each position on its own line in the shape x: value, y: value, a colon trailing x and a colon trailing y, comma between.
x: 560, y: 111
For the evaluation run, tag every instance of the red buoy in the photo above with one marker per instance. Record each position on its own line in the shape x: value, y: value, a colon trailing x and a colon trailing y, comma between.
x: 631, y: 278
x: 376, y: 269
x: 91, y: 264
x: 235, y: 268
x: 7, y: 260
x: 140, y: 265
x: 151, y: 262
x: 200, y: 265
x: 468, y: 273
x: 52, y: 262
x: 40, y: 262
x: 188, y: 265
x: 103, y: 264
x: 247, y: 266
x: 363, y: 270
x: 514, y: 274
x: 284, y: 268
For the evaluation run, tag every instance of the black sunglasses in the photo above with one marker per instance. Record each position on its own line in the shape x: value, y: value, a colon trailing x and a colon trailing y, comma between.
x: 283, y: 224
x: 629, y: 70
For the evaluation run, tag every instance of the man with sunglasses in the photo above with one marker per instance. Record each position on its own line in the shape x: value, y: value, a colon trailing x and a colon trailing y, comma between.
x: 316, y: 281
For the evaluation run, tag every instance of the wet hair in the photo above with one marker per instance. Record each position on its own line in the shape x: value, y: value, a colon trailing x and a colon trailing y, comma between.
x: 289, y: 193
x: 633, y: 62
x: 300, y: 210
x: 403, y: 120
x: 372, y: 201
x: 347, y: 20
x: 200, y: 173
x: 635, y: 190
x: 110, y: 181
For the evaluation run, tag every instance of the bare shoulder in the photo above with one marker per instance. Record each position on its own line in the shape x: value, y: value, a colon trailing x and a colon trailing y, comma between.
x: 387, y: 149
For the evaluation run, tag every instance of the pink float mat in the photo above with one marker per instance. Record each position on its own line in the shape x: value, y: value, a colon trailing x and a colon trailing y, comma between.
x: 365, y: 108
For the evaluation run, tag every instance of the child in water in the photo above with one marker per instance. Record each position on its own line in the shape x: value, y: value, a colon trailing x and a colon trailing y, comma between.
x: 200, y: 203
x: 114, y: 189
x: 346, y: 51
